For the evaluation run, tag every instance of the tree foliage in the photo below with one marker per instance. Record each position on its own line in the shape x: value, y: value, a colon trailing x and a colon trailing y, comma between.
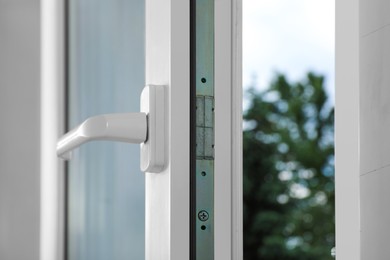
x: 289, y: 171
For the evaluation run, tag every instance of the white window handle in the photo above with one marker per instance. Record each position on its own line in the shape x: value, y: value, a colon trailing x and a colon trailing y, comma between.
x: 147, y: 128
x: 129, y: 127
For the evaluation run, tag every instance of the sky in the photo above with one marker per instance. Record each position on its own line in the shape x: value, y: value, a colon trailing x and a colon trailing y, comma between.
x: 288, y: 36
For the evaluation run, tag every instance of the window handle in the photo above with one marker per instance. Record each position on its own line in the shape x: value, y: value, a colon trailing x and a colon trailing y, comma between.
x: 128, y: 127
x: 147, y: 128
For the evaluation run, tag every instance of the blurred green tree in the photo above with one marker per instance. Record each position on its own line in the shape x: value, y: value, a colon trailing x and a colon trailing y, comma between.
x: 289, y: 171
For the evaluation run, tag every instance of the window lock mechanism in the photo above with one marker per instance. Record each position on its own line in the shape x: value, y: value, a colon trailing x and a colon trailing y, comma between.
x: 147, y: 128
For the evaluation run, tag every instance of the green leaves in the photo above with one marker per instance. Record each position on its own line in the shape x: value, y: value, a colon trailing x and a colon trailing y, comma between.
x: 289, y: 171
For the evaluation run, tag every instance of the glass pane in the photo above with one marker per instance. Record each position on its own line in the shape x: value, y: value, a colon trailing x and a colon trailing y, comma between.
x: 106, y: 75
x: 288, y: 78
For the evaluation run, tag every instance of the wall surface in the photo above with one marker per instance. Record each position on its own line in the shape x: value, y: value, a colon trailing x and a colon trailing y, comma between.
x: 375, y: 128
x: 19, y: 132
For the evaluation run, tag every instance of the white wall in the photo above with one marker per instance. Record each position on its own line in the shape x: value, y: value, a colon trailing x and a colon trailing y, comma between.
x: 363, y: 129
x: 375, y: 128
x: 19, y: 129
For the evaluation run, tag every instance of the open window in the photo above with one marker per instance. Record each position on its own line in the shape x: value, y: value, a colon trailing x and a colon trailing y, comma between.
x: 97, y: 57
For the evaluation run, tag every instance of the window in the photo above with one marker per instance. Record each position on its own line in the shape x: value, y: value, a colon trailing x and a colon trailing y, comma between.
x: 167, y: 64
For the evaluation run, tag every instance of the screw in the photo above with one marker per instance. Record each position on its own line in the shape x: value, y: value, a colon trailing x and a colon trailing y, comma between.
x: 203, y: 80
x: 203, y: 215
x: 203, y: 173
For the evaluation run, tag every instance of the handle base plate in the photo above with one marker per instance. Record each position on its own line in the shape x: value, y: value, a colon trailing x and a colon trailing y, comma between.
x: 153, y: 150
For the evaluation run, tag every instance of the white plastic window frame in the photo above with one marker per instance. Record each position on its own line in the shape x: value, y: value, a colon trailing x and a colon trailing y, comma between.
x: 52, y: 126
x: 347, y: 183
x: 167, y: 194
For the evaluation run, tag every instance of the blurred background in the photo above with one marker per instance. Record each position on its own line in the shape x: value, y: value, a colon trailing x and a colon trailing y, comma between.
x: 288, y: 80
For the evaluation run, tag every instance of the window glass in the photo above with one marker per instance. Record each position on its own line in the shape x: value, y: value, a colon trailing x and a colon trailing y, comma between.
x: 105, y: 198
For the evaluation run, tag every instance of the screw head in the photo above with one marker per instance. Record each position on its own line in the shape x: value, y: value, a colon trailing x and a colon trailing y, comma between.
x: 203, y: 215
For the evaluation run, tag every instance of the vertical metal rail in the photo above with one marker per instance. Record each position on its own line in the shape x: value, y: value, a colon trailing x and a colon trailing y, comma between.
x: 202, y: 66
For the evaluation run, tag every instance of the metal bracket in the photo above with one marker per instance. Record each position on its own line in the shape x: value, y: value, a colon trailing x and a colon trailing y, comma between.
x: 204, y: 127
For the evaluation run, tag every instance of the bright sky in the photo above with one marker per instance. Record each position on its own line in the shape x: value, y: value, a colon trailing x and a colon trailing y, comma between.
x: 288, y: 36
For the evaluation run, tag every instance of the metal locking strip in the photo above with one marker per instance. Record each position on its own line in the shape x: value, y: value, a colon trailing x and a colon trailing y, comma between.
x: 204, y: 173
